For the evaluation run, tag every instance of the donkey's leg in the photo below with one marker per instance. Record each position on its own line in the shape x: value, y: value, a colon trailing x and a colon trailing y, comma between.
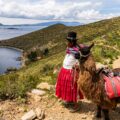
x: 106, y: 114
x: 98, y: 113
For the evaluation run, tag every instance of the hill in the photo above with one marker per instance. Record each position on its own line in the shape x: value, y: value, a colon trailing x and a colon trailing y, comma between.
x: 59, y: 22
x: 49, y: 23
x: 39, y: 38
x: 105, y: 34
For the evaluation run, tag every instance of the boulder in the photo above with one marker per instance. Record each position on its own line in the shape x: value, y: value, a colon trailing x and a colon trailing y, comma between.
x: 35, y: 97
x: 38, y: 92
x: 44, y: 86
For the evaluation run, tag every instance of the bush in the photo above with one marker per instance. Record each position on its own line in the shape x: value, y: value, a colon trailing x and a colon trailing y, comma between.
x: 12, y: 86
x: 45, y: 52
x: 97, y: 54
x: 47, y: 68
x: 8, y: 86
x: 32, y: 56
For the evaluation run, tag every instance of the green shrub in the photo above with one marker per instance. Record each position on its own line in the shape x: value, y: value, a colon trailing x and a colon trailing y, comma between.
x: 32, y: 56
x: 45, y: 51
x: 97, y: 54
x: 12, y: 86
x: 8, y: 86
x: 47, y: 68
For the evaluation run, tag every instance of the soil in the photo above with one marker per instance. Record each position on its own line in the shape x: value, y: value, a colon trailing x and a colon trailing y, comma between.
x: 116, y: 63
x: 13, y: 110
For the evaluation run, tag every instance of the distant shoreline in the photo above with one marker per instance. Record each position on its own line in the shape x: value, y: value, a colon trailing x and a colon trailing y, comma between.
x: 12, y: 48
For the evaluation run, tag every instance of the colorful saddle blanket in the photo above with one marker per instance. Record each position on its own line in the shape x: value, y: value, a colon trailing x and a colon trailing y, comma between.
x: 112, y: 86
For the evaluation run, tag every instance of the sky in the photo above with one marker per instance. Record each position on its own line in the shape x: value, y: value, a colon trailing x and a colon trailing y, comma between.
x: 36, y: 11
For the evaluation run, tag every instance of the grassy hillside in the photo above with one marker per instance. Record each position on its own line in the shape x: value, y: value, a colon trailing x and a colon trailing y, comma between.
x: 16, y: 84
x: 47, y: 37
x: 105, y: 34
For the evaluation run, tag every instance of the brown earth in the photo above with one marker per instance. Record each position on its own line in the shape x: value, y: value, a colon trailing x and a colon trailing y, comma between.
x: 14, y: 110
x: 116, y: 63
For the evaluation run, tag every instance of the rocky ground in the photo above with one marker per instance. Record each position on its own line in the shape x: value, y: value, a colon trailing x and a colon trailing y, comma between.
x: 53, y: 110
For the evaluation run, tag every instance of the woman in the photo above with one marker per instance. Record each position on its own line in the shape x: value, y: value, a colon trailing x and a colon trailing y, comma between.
x: 66, y: 87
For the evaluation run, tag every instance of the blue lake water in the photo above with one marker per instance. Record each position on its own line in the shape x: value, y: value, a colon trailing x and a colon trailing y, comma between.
x: 8, y: 56
x: 7, y: 32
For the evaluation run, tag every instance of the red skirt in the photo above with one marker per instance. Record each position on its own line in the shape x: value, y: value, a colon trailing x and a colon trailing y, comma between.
x: 66, y: 87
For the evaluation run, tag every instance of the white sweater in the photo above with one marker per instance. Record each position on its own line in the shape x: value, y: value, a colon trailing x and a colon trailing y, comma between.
x: 69, y: 61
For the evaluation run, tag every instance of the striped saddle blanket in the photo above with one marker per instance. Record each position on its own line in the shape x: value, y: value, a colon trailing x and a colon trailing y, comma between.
x: 112, y: 86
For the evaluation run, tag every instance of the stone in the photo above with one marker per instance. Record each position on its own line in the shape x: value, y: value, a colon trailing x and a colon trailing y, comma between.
x: 20, y: 109
x: 44, y: 86
x: 55, y: 71
x: 38, y: 92
x: 35, y: 97
x: 40, y: 113
x: 84, y: 117
x: 29, y: 115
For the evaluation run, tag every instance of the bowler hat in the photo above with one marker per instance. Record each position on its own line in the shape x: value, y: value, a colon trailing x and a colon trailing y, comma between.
x: 71, y: 36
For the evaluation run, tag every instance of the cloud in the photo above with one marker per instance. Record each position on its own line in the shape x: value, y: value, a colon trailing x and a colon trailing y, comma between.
x: 54, y: 9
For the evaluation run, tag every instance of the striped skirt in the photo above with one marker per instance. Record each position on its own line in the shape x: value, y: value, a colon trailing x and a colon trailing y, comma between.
x: 66, y: 86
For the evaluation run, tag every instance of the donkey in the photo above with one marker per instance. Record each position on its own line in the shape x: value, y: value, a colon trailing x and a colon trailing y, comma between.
x: 92, y: 84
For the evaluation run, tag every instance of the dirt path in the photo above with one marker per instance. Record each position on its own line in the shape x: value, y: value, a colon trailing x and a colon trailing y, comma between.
x: 116, y: 63
x: 12, y: 110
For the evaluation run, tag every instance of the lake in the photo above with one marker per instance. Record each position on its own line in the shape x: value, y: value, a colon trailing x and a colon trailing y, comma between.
x: 11, y: 31
x: 8, y: 56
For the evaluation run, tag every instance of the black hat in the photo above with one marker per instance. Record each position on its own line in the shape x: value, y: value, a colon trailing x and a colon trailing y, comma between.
x: 71, y: 36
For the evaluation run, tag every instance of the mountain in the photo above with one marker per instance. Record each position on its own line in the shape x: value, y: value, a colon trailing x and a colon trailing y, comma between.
x: 49, y: 23
x: 59, y: 22
x: 1, y: 24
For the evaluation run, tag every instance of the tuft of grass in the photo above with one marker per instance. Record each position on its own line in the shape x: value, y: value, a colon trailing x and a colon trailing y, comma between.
x: 11, y: 86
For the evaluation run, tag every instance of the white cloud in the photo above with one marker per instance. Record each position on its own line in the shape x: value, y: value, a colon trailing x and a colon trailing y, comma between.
x: 54, y: 9
x: 43, y: 9
x: 11, y: 21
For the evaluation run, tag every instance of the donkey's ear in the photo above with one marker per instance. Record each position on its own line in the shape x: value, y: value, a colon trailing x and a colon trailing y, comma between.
x: 91, y: 45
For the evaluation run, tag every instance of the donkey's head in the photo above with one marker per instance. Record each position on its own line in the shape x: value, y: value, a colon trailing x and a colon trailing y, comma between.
x: 85, y: 52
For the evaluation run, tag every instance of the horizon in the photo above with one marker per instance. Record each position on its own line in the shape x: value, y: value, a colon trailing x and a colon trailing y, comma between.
x: 38, y: 11
x: 31, y: 21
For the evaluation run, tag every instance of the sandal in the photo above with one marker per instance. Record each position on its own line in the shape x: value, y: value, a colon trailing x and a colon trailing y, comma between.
x: 75, y: 109
x: 67, y: 104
